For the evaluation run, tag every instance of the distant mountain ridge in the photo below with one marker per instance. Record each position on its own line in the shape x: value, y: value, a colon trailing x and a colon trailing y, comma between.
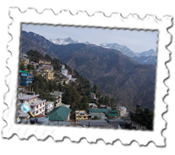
x: 116, y: 74
x: 145, y: 57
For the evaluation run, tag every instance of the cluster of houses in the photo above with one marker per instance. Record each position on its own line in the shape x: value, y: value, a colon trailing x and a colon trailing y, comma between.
x: 54, y: 112
x: 55, y: 109
x: 44, y: 68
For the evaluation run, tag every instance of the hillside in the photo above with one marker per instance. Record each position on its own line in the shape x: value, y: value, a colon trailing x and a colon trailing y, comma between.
x: 117, y: 75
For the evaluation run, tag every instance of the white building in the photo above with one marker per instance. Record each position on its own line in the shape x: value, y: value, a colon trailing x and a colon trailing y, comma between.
x: 93, y: 105
x: 49, y: 106
x: 37, y: 105
x: 123, y: 111
x: 57, y: 97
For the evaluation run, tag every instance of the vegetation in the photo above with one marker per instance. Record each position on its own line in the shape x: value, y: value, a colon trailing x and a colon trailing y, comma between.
x: 77, y: 95
x: 143, y: 117
x: 95, y: 118
x: 21, y: 67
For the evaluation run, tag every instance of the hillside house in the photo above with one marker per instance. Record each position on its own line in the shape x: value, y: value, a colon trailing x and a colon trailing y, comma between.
x: 81, y: 115
x: 92, y: 105
x: 25, y: 78
x: 37, y: 105
x: 57, y: 97
x: 49, y: 106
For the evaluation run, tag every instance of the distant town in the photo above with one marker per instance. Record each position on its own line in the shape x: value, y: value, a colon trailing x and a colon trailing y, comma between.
x: 49, y: 108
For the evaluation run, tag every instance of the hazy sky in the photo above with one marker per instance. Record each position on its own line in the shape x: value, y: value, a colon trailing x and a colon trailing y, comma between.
x: 137, y: 41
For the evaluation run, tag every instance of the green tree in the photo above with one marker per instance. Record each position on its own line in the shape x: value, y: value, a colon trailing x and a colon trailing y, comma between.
x: 48, y: 57
x: 21, y: 67
x: 95, y: 88
x: 30, y: 67
x: 107, y: 100
x: 95, y: 118
x: 143, y: 117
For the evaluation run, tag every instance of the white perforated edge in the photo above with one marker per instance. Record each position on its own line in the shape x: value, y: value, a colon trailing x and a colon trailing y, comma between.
x: 91, y: 134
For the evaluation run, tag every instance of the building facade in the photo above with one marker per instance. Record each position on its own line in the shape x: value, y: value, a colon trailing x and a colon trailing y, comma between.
x: 81, y: 115
x: 49, y: 106
x: 25, y: 78
x: 57, y: 97
x: 37, y: 105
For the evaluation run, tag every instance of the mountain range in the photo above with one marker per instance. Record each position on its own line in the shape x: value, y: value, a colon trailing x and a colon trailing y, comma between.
x: 145, y: 57
x: 116, y: 74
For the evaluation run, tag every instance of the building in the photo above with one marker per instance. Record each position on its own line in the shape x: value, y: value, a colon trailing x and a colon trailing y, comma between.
x: 47, y: 68
x: 25, y: 78
x: 37, y: 105
x: 57, y: 97
x: 123, y: 111
x: 100, y: 113
x: 61, y: 113
x: 81, y: 115
x: 93, y: 106
x: 22, y: 117
x: 102, y: 106
x: 64, y: 71
x: 49, y: 75
x: 49, y: 106
x: 93, y: 95
x: 28, y: 97
x: 114, y: 113
x: 45, y: 62
x: 24, y: 59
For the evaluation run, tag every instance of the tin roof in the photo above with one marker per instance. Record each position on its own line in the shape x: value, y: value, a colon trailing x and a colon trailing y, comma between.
x: 99, y: 110
x: 59, y: 113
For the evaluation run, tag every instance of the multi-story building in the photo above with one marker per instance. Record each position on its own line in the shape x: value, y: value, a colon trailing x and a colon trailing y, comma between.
x: 49, y: 106
x: 25, y: 78
x: 49, y: 75
x: 81, y: 115
x: 57, y: 97
x: 48, y: 70
x: 37, y: 105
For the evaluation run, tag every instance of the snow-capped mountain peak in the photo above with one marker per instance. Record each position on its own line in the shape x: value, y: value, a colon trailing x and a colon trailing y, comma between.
x: 151, y: 52
x: 64, y: 41
x: 124, y: 49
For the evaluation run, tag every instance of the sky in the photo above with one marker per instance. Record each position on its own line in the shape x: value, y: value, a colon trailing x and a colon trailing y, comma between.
x: 137, y: 41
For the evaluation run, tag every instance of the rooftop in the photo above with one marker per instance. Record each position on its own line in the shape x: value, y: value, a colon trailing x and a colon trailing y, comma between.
x: 59, y: 113
x: 38, y: 101
x: 20, y: 113
x: 26, y: 97
x: 81, y: 112
x: 49, y: 102
x: 100, y: 110
x: 56, y: 93
x: 92, y: 104
x: 21, y: 71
